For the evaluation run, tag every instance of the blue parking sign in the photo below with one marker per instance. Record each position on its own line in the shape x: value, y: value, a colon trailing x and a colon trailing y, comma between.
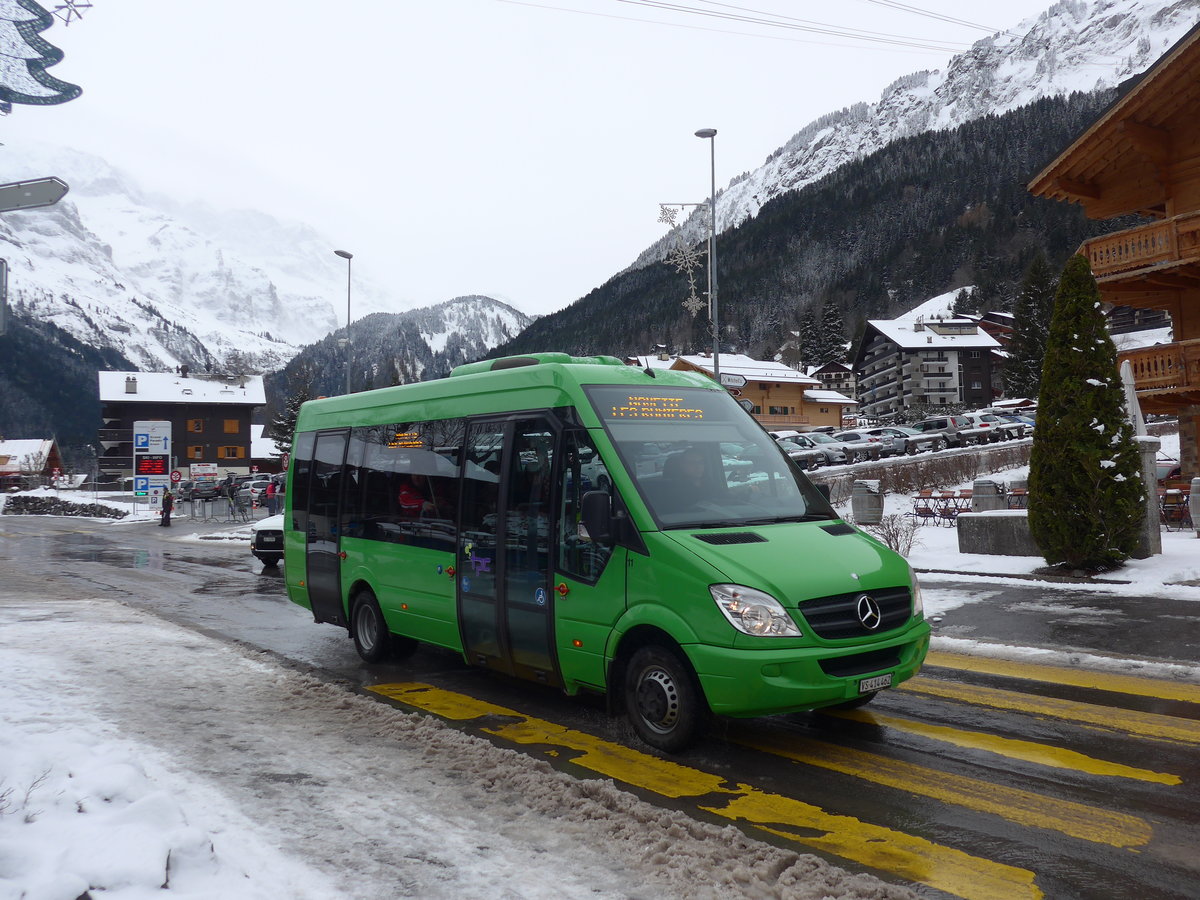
x: 141, y: 485
x: 141, y: 440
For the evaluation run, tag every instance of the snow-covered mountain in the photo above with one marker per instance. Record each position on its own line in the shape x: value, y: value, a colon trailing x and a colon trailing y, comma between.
x: 165, y: 283
x: 1073, y: 46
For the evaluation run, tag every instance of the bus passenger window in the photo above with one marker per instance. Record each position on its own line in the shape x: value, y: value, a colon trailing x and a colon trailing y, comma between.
x: 583, y: 471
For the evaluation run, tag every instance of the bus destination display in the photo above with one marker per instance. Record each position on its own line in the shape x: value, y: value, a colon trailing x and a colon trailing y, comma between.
x: 639, y: 406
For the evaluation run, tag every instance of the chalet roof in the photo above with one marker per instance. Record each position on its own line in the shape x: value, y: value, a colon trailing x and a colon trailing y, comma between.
x: 1131, y: 140
x: 752, y: 369
x: 833, y: 398
x: 167, y: 387
x: 13, y: 452
x: 261, y: 446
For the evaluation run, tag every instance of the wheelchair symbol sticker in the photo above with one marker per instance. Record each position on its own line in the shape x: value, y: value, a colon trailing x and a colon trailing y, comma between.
x: 540, y: 597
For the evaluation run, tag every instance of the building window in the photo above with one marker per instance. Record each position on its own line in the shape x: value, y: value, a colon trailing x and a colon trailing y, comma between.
x: 231, y: 426
x: 231, y: 453
x: 195, y: 425
x: 195, y: 451
x: 777, y: 410
x: 757, y: 410
x: 976, y: 385
x: 824, y: 409
x: 974, y: 354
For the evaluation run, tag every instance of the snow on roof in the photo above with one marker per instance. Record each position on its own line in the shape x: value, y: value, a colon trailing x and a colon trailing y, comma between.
x: 261, y: 446
x: 167, y: 387
x: 829, y: 397
x: 12, y: 452
x: 652, y: 362
x: 1147, y: 337
x: 751, y: 369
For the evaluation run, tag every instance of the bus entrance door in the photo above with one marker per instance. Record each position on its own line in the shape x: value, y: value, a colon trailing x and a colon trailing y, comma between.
x: 323, y: 542
x: 506, y: 605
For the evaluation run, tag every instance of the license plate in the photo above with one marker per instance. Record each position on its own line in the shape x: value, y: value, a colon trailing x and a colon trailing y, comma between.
x: 874, y: 684
x: 268, y: 542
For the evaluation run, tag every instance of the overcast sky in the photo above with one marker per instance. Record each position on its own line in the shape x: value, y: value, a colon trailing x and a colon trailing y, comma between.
x: 514, y: 149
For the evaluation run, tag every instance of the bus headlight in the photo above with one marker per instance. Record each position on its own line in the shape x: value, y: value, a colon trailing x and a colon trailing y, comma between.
x: 753, y: 612
x: 918, y: 601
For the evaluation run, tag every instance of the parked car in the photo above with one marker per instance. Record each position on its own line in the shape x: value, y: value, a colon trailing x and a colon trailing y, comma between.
x: 266, y: 541
x: 1025, y: 422
x: 871, y: 444
x: 835, y: 452
x: 250, y: 491
x: 988, y: 428
x: 904, y: 441
x: 198, y: 490
x: 949, y: 427
x: 806, y: 456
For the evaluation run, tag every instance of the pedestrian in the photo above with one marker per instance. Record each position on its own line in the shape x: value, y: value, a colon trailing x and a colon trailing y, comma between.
x: 168, y: 503
x: 270, y: 498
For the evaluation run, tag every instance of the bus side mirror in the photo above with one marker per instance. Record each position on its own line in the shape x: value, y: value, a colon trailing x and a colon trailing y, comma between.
x: 597, y: 516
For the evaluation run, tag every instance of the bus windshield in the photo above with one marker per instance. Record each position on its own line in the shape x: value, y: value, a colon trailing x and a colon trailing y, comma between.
x: 700, y: 461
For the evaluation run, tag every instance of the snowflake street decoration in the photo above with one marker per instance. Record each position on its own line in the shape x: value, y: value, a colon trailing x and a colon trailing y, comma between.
x: 25, y: 57
x: 70, y: 10
x: 687, y: 260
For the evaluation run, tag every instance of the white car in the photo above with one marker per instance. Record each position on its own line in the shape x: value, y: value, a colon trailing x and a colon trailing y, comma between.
x: 266, y: 542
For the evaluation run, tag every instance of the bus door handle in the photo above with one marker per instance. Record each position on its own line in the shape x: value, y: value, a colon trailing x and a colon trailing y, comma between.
x: 342, y: 555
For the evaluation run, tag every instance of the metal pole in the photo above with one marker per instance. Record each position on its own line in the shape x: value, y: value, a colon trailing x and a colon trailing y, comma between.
x: 347, y: 256
x: 710, y: 135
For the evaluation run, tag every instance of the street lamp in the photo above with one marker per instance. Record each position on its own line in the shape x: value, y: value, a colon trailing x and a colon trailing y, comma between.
x: 347, y: 256
x: 709, y: 134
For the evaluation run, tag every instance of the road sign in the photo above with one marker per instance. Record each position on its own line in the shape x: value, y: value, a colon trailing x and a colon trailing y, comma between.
x: 39, y: 192
x: 176, y: 477
x: 747, y: 405
x: 728, y: 379
x: 141, y: 485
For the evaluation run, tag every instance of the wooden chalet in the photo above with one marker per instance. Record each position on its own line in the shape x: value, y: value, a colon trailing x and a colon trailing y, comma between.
x: 1142, y: 157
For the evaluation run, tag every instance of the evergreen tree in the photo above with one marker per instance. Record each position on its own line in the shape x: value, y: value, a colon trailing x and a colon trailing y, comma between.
x: 832, y: 335
x: 964, y: 303
x: 1031, y: 324
x: 1085, y: 487
x: 283, y: 424
x: 808, y: 336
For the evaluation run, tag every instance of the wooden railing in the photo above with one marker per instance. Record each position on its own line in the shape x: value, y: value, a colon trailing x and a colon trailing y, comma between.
x: 1165, y: 367
x: 1171, y: 240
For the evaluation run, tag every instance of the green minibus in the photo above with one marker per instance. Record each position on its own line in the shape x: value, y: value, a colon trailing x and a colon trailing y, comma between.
x: 597, y: 527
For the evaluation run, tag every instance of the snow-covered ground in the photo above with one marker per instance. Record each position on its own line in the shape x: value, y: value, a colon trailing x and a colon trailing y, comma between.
x: 171, y: 772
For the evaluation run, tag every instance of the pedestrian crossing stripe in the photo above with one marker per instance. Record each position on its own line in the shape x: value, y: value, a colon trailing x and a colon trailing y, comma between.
x: 1026, y: 808
x: 1160, y: 689
x: 1010, y: 748
x: 1140, y: 724
x: 910, y: 857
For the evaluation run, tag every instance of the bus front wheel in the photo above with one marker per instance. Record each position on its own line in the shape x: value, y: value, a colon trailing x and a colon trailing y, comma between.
x: 662, y: 699
x: 368, y: 628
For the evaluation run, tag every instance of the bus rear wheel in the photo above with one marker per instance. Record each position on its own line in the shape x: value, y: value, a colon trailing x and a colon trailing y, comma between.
x: 662, y: 699
x: 372, y: 639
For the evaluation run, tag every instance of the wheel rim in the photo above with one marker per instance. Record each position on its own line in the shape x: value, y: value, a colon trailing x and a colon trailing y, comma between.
x: 657, y: 700
x: 366, y: 627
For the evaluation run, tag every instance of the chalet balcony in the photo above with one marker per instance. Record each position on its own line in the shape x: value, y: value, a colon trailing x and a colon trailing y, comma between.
x: 1166, y: 376
x: 781, y: 423
x: 1169, y: 248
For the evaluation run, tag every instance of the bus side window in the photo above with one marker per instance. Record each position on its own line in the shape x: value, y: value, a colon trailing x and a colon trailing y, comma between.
x: 583, y: 471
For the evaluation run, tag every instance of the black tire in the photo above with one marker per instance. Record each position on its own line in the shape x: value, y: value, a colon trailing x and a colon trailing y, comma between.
x: 662, y: 699
x: 855, y: 703
x: 372, y: 639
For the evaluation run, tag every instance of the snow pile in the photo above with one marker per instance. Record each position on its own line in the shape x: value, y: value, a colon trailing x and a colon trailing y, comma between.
x: 176, y: 770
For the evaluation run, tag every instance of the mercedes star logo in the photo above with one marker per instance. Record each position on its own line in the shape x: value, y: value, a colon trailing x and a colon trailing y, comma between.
x: 868, y: 612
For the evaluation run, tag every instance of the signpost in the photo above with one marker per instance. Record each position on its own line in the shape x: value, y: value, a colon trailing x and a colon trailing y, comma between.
x: 730, y: 380
x: 151, y: 460
x: 39, y: 192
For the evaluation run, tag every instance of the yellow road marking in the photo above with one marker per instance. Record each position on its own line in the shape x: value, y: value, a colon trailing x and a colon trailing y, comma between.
x: 1167, y: 728
x: 910, y: 857
x: 1011, y: 748
x: 1076, y: 820
x: 1120, y: 684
